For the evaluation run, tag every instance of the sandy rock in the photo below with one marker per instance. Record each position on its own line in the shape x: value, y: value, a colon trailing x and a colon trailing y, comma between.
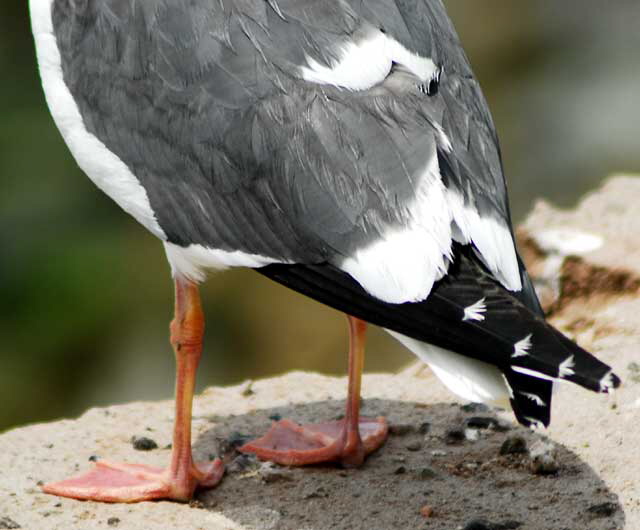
x: 595, y: 438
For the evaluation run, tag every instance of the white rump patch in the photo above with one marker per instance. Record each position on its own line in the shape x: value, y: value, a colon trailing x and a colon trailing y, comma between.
x: 522, y: 347
x: 366, y: 63
x: 535, y: 398
x: 192, y: 262
x: 475, y: 311
x: 491, y: 237
x: 406, y: 261
x: 566, y: 367
x: 102, y: 166
x: 469, y: 378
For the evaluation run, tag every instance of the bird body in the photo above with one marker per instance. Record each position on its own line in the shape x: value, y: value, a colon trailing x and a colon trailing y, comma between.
x: 342, y: 148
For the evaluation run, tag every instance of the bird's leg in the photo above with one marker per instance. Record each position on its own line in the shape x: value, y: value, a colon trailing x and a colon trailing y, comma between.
x: 347, y: 441
x: 120, y: 482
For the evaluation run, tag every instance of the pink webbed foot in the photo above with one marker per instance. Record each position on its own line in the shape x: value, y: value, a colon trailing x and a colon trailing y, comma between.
x: 116, y: 482
x: 291, y: 444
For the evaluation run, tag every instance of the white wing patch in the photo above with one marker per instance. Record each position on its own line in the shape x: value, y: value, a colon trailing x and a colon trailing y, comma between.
x: 406, y: 261
x: 522, y: 347
x: 475, y: 311
x: 492, y: 239
x: 566, y: 367
x: 364, y: 63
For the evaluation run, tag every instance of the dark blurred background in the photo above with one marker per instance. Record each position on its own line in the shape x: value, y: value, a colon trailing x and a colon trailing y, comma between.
x: 85, y: 292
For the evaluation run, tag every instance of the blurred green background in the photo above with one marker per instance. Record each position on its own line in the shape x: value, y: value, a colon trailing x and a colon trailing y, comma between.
x: 85, y: 292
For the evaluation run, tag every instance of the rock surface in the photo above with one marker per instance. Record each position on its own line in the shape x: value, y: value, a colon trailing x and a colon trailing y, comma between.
x: 424, y: 476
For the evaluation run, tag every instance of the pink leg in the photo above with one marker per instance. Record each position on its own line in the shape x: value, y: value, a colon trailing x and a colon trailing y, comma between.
x: 115, y: 482
x: 347, y: 441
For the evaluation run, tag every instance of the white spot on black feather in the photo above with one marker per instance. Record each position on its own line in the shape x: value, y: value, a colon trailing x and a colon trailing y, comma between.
x: 522, y: 347
x: 566, y: 367
x: 534, y: 397
x: 475, y: 311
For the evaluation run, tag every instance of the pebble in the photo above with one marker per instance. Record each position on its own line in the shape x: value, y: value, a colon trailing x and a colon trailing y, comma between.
x: 485, y: 422
x: 142, y: 443
x: 414, y: 446
x: 426, y: 511
x: 426, y: 473
x: 242, y: 463
x: 474, y: 407
x: 513, y: 445
x: 454, y: 437
x: 236, y: 439
x: 424, y: 428
x: 438, y: 452
x: 113, y: 521
x: 543, y: 459
x: 271, y: 474
x: 472, y: 435
x: 6, y: 522
x: 401, y: 429
x: 606, y: 509
x: 483, y: 524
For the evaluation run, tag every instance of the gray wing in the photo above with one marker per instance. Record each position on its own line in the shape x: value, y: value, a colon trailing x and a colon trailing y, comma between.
x: 207, y: 103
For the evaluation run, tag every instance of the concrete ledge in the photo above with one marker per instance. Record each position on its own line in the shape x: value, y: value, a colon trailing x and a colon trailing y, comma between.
x: 434, y: 472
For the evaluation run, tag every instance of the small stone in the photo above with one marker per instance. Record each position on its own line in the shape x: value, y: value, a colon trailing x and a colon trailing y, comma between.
x: 236, y: 439
x: 416, y: 445
x: 474, y: 407
x: 94, y: 458
x: 424, y: 428
x: 400, y: 470
x: 6, y: 522
x: 242, y: 463
x: 513, y: 445
x: 485, y: 422
x: 438, y: 452
x: 142, y: 443
x: 248, y: 389
x: 543, y: 459
x: 426, y: 473
x: 454, y: 437
x: 605, y: 509
x: 472, y: 435
x: 426, y: 511
x: 401, y: 429
x: 113, y: 521
x: 483, y: 524
x: 275, y: 417
x: 271, y: 474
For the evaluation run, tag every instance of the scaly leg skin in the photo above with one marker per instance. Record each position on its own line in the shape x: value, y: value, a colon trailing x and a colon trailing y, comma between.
x: 115, y: 482
x: 347, y: 441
